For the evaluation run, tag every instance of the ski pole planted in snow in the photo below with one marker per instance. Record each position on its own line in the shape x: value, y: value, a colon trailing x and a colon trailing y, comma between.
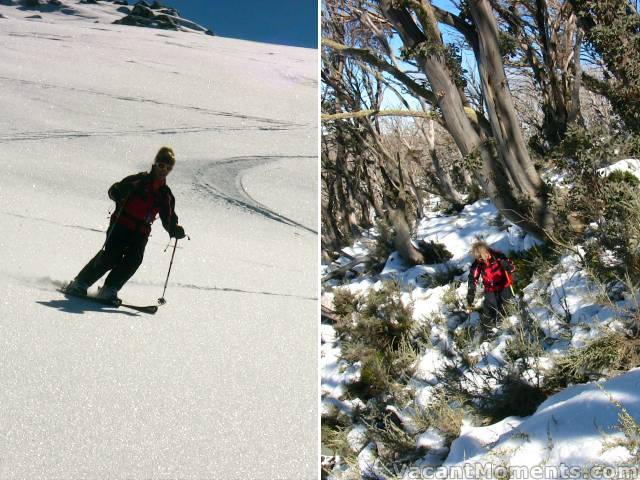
x: 161, y: 300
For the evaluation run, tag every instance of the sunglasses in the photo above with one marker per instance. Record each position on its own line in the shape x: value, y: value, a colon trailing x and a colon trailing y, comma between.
x: 164, y: 166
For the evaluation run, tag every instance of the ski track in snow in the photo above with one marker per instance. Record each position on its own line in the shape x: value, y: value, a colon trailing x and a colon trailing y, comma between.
x: 53, y: 222
x: 222, y: 180
x: 90, y: 391
x: 273, y: 124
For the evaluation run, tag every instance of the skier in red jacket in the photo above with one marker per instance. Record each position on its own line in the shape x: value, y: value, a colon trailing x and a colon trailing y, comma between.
x: 139, y: 198
x: 495, y: 269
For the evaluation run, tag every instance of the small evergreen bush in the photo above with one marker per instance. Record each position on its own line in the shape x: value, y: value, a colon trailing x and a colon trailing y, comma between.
x: 383, y: 245
x: 379, y: 335
x: 599, y: 357
x: 434, y: 252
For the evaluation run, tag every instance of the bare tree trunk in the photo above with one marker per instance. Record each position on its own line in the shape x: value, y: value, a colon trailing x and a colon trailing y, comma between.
x: 402, y: 239
x: 502, y: 113
x: 347, y: 216
x: 372, y: 180
x: 449, y: 191
x: 506, y: 173
x: 491, y: 174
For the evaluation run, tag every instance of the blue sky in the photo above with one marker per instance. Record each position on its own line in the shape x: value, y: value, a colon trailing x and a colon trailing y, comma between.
x: 286, y: 22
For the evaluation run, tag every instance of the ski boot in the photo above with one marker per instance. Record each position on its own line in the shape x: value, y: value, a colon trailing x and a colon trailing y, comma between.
x: 76, y: 287
x: 108, y: 294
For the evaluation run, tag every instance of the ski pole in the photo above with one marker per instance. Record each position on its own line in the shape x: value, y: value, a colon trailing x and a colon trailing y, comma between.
x: 112, y: 226
x: 161, y: 300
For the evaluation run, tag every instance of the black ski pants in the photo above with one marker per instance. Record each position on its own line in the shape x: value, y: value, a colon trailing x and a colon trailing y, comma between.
x: 493, y: 306
x: 122, y: 254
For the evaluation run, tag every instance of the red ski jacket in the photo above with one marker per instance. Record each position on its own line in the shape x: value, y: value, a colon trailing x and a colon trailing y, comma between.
x: 139, y: 200
x: 495, y: 274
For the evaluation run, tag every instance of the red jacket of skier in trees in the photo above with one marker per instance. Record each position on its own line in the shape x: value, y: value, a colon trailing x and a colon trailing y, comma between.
x: 495, y: 269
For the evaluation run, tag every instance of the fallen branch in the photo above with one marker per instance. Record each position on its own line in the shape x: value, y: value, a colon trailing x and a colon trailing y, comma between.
x: 341, y: 271
x: 328, y: 314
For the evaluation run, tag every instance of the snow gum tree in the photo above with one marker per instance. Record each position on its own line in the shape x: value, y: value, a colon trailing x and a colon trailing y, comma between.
x: 612, y: 29
x: 541, y: 40
x: 490, y: 137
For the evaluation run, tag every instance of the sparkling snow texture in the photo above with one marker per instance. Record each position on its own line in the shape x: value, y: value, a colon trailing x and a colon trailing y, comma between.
x: 221, y: 382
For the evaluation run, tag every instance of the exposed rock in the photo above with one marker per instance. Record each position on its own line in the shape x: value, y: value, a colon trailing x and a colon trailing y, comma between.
x: 157, y: 16
x: 169, y: 11
x: 164, y: 19
x: 142, y: 11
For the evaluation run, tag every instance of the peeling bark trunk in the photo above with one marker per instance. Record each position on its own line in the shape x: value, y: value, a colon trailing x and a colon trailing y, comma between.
x: 449, y: 191
x: 513, y: 160
x: 502, y: 113
x: 402, y: 240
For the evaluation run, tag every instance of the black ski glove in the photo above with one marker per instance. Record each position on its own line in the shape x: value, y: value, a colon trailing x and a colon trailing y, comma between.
x: 177, y: 232
x: 120, y: 191
x: 507, y: 266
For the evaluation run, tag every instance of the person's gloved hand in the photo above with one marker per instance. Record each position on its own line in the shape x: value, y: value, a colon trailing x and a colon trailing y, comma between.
x: 178, y: 232
x: 506, y: 265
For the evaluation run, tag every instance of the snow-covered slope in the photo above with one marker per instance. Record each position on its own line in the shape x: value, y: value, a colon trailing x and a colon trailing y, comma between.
x: 575, y: 433
x: 221, y: 383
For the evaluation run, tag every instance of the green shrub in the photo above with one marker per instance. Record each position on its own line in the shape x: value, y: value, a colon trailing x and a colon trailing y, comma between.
x: 535, y: 261
x: 452, y: 300
x: 624, y: 177
x: 345, y: 304
x: 444, y: 276
x: 380, y: 337
x: 526, y: 341
x: 611, y: 202
x: 384, y: 321
x: 394, y: 445
x: 499, y: 222
x: 602, y: 356
x: 335, y: 438
x: 515, y: 397
x: 492, y: 394
x: 440, y: 415
x: 434, y: 252
x: 629, y: 428
x: 383, y: 243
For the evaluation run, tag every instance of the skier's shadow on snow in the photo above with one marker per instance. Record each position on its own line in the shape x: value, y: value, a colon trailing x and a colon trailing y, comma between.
x: 79, y: 307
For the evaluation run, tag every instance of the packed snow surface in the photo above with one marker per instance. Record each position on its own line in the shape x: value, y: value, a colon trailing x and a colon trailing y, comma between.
x: 631, y: 165
x: 221, y: 382
x: 574, y: 430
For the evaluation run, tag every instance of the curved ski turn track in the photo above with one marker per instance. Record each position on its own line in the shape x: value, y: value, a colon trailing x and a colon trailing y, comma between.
x: 221, y: 382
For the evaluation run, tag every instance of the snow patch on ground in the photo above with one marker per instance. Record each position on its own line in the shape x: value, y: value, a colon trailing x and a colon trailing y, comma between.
x: 564, y: 302
x: 631, y: 165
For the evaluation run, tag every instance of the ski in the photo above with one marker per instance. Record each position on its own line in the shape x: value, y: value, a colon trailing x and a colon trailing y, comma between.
x: 150, y: 309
